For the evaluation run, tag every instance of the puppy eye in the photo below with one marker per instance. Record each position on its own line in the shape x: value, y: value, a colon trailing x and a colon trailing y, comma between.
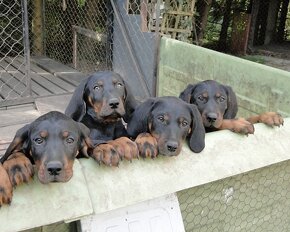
x: 201, y: 98
x: 69, y: 140
x: 184, y: 123
x: 222, y: 98
x: 97, y: 87
x: 119, y: 84
x: 38, y: 140
x: 161, y: 118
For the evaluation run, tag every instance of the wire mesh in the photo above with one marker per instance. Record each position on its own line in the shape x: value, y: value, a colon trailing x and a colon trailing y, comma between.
x: 253, y: 201
x: 56, y: 227
x: 94, y: 58
x: 59, y: 18
x: 94, y: 35
x: 14, y: 80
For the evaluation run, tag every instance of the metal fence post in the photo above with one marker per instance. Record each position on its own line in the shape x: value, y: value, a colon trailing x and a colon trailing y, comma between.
x: 28, y: 91
x: 74, y: 47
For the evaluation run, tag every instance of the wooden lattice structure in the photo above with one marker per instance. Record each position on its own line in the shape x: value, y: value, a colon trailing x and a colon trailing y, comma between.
x: 176, y: 18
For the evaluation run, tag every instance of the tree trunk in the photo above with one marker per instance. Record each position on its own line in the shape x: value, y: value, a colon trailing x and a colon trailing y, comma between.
x: 283, y: 17
x: 249, y: 7
x: 226, y: 22
x: 254, y: 12
x: 203, y: 10
x: 262, y: 22
x: 271, y: 20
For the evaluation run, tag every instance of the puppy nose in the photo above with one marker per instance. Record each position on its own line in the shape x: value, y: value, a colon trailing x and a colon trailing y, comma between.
x: 172, y: 146
x: 54, y: 168
x: 211, y: 117
x: 114, y: 102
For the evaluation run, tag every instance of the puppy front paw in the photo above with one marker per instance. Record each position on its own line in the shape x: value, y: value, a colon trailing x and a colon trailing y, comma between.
x: 126, y: 148
x: 106, y: 154
x: 238, y: 125
x: 147, y: 145
x: 242, y: 126
x: 19, y: 168
x: 271, y: 119
x: 6, y: 190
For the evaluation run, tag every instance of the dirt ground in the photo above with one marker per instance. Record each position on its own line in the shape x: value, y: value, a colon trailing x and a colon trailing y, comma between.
x: 275, y: 55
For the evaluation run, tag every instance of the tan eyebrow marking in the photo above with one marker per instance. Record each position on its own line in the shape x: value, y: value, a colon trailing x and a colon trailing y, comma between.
x: 166, y: 117
x: 43, y: 134
x: 218, y: 94
x: 100, y: 82
x: 65, y: 134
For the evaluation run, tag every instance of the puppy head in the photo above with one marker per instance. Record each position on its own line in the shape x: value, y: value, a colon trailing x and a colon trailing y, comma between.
x: 53, y: 141
x: 214, y: 101
x: 104, y: 96
x: 170, y: 121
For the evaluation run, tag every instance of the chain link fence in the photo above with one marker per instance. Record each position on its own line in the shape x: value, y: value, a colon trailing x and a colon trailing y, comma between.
x: 14, y: 55
x: 94, y: 35
x: 77, y: 29
x: 56, y: 227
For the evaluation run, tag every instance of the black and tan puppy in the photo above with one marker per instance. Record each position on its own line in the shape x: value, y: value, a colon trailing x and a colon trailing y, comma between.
x: 162, y: 124
x: 218, y: 107
x: 101, y: 102
x: 51, y: 142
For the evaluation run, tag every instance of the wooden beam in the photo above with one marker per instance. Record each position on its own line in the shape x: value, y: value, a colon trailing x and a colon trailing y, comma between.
x: 37, y: 28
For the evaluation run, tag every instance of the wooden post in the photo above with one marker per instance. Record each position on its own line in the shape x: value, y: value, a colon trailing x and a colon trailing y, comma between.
x: 37, y: 28
x: 177, y: 20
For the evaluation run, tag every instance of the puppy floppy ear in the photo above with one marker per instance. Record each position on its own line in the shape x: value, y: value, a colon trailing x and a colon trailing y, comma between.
x: 197, y: 136
x: 139, y: 120
x: 19, y: 143
x: 130, y: 103
x: 76, y: 108
x: 232, y: 104
x: 186, y: 94
x: 85, y: 141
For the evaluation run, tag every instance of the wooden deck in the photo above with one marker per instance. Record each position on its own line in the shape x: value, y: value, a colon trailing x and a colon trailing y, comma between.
x: 48, y: 77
